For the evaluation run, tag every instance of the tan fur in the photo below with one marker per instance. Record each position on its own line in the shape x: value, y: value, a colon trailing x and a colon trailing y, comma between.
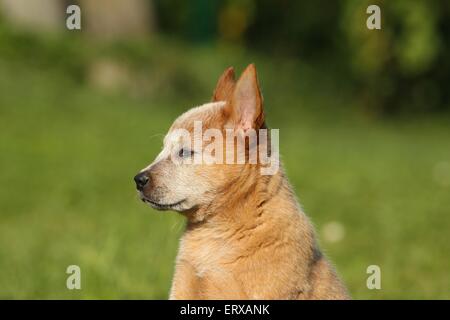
x: 246, y: 235
x: 256, y: 244
x: 225, y: 86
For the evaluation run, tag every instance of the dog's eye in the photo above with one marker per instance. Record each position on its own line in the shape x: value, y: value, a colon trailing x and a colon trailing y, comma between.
x: 185, y: 153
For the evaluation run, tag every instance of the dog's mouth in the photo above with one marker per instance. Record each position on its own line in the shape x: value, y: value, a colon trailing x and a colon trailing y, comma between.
x: 161, y: 206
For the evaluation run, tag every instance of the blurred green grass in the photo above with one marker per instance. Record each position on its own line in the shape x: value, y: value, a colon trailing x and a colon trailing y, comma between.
x: 69, y: 151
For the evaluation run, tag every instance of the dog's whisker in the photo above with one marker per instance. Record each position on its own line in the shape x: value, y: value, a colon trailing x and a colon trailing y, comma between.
x: 160, y: 135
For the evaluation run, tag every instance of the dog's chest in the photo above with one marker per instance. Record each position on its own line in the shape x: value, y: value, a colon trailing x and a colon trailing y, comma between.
x: 207, y: 256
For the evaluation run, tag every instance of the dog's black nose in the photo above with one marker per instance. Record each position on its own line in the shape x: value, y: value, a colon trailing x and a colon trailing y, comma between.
x: 141, y: 180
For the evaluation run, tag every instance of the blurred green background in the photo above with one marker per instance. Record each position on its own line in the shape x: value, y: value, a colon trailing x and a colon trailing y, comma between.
x: 364, y: 132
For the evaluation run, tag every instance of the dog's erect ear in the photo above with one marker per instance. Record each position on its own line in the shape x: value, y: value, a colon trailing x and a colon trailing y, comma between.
x: 247, y: 105
x: 225, y: 86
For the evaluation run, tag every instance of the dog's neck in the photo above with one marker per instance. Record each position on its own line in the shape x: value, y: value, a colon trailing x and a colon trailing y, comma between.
x: 245, y: 198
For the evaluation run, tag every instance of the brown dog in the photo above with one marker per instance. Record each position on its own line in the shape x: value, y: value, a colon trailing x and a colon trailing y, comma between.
x: 246, y: 235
